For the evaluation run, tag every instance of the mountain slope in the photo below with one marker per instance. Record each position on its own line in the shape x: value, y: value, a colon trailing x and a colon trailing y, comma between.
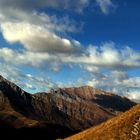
x: 9, y: 113
x: 124, y: 127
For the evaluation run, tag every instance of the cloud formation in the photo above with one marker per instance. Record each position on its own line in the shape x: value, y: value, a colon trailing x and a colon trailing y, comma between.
x: 105, y: 5
x: 41, y: 35
x: 26, y: 81
x: 93, y: 58
x: 108, y: 56
x: 37, y: 38
x: 33, y: 4
x: 133, y: 95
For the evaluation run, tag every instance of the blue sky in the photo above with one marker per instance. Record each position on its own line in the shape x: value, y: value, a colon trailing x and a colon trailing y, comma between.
x: 49, y: 43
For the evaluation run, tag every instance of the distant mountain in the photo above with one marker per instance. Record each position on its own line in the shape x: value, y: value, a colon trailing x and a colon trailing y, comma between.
x: 109, y: 101
x: 123, y: 127
x: 61, y: 112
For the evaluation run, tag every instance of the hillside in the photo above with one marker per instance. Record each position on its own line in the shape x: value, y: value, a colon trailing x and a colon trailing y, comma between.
x: 124, y: 127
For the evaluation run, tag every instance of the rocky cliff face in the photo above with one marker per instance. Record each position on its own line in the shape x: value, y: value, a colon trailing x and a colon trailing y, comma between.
x: 75, y: 114
x: 106, y: 100
x: 71, y: 108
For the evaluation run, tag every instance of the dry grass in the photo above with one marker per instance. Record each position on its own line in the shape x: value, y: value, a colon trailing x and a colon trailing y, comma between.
x: 118, y: 128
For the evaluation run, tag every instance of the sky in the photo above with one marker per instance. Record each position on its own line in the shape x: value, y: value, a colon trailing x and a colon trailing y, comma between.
x: 48, y: 44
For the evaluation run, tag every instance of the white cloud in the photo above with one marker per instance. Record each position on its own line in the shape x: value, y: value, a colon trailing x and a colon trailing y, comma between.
x: 38, y: 39
x: 90, y: 68
x: 39, y: 35
x: 133, y: 95
x: 105, y: 5
x: 93, y: 59
x: 123, y: 83
x: 29, y: 5
x: 50, y: 22
x: 119, y: 76
x: 9, y: 72
x: 38, y: 31
x: 133, y: 82
x: 107, y: 56
x: 118, y: 82
x: 76, y: 6
x: 93, y: 83
x: 28, y: 82
x: 24, y: 58
x: 30, y: 86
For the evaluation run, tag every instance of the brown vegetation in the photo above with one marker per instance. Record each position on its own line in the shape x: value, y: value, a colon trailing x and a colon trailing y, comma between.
x: 124, y: 127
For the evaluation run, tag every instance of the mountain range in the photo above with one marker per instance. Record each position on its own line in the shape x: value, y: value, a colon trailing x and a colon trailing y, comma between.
x: 60, y: 112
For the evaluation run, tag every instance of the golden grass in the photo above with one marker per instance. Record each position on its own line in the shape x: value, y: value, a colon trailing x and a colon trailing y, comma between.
x: 124, y: 127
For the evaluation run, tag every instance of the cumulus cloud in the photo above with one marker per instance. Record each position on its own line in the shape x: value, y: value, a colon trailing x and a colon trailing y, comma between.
x: 38, y: 35
x: 105, y: 5
x: 50, y: 22
x: 37, y: 38
x: 106, y: 56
